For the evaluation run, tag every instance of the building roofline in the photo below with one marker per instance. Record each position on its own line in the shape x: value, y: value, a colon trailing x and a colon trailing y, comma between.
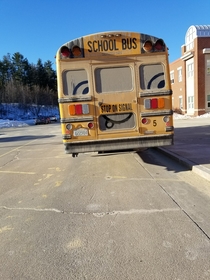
x: 187, y: 55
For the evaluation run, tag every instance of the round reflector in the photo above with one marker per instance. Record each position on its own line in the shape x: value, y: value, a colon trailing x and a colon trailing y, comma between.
x: 65, y: 51
x: 148, y: 46
x: 68, y: 126
x: 159, y: 45
x: 166, y: 119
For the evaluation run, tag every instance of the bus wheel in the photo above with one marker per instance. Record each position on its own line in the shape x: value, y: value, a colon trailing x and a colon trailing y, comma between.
x: 75, y: 155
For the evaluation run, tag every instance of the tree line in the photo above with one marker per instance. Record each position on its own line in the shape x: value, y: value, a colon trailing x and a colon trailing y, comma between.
x: 25, y: 83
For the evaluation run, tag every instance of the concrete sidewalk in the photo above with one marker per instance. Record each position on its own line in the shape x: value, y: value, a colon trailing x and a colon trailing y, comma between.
x: 192, y: 144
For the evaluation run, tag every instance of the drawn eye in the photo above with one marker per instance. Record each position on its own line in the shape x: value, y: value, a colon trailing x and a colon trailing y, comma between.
x: 81, y: 88
x: 157, y: 81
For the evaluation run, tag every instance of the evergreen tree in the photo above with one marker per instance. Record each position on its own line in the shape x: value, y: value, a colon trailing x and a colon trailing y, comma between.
x: 27, y: 83
x: 19, y: 68
x: 5, y: 75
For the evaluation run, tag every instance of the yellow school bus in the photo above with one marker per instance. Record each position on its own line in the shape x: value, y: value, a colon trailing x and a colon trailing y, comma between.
x: 114, y: 92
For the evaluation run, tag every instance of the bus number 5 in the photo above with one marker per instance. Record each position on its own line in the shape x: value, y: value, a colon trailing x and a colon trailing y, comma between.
x: 154, y: 122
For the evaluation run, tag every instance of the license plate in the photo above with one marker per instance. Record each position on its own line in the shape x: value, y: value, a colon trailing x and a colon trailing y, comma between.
x: 80, y: 132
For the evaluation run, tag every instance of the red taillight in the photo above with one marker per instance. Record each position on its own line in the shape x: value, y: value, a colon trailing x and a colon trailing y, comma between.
x: 159, y: 45
x: 154, y: 103
x: 78, y: 109
x: 65, y: 51
x: 90, y: 125
x: 144, y: 120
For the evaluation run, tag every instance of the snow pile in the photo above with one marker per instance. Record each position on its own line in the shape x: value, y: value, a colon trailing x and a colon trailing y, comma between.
x: 17, y: 117
x: 185, y: 117
x: 11, y: 123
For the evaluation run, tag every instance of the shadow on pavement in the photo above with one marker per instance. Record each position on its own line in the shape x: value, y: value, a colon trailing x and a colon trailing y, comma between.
x: 24, y: 138
x: 192, y: 144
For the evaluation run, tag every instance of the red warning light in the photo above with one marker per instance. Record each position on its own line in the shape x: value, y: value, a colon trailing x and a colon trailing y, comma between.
x: 159, y: 45
x: 148, y: 46
x: 65, y: 51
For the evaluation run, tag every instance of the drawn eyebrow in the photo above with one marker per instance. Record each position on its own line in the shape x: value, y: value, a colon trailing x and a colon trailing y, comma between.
x: 153, y: 78
x: 79, y: 85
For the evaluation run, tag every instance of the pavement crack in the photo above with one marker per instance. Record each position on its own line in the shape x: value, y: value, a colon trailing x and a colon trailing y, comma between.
x: 97, y: 214
x: 15, y: 157
x: 33, y: 209
x: 185, y: 211
x: 136, y: 211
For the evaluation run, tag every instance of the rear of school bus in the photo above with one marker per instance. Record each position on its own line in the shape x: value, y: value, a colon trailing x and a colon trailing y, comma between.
x: 114, y: 92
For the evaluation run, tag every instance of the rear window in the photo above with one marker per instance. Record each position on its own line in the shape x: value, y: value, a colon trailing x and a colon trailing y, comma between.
x: 75, y: 82
x: 152, y: 76
x: 113, y: 79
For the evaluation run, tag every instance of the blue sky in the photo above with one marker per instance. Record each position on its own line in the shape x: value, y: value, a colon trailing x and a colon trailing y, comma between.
x: 38, y: 28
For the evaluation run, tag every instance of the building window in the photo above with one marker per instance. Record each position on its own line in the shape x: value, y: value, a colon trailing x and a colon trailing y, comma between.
x: 190, y: 100
x: 180, y: 102
x: 208, y: 66
x: 208, y: 100
x: 190, y: 70
x: 189, y: 38
x: 179, y: 72
x: 172, y: 77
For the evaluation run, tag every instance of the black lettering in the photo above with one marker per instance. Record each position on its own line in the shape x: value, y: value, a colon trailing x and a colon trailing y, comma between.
x: 106, y: 45
x: 111, y: 45
x: 115, y: 46
x: 100, y: 46
x: 129, y: 43
x: 121, y: 106
x: 90, y: 46
x: 123, y: 44
x: 106, y: 108
x: 114, y: 108
x: 134, y: 43
x: 125, y: 107
x: 95, y: 46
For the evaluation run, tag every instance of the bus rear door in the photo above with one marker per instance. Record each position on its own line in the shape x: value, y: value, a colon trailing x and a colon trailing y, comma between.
x: 116, y: 100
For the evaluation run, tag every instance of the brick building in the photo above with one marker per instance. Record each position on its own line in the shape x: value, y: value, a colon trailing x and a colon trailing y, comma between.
x: 190, y: 74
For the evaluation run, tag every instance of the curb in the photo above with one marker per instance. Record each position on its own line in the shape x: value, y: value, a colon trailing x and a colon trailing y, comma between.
x: 198, y: 169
